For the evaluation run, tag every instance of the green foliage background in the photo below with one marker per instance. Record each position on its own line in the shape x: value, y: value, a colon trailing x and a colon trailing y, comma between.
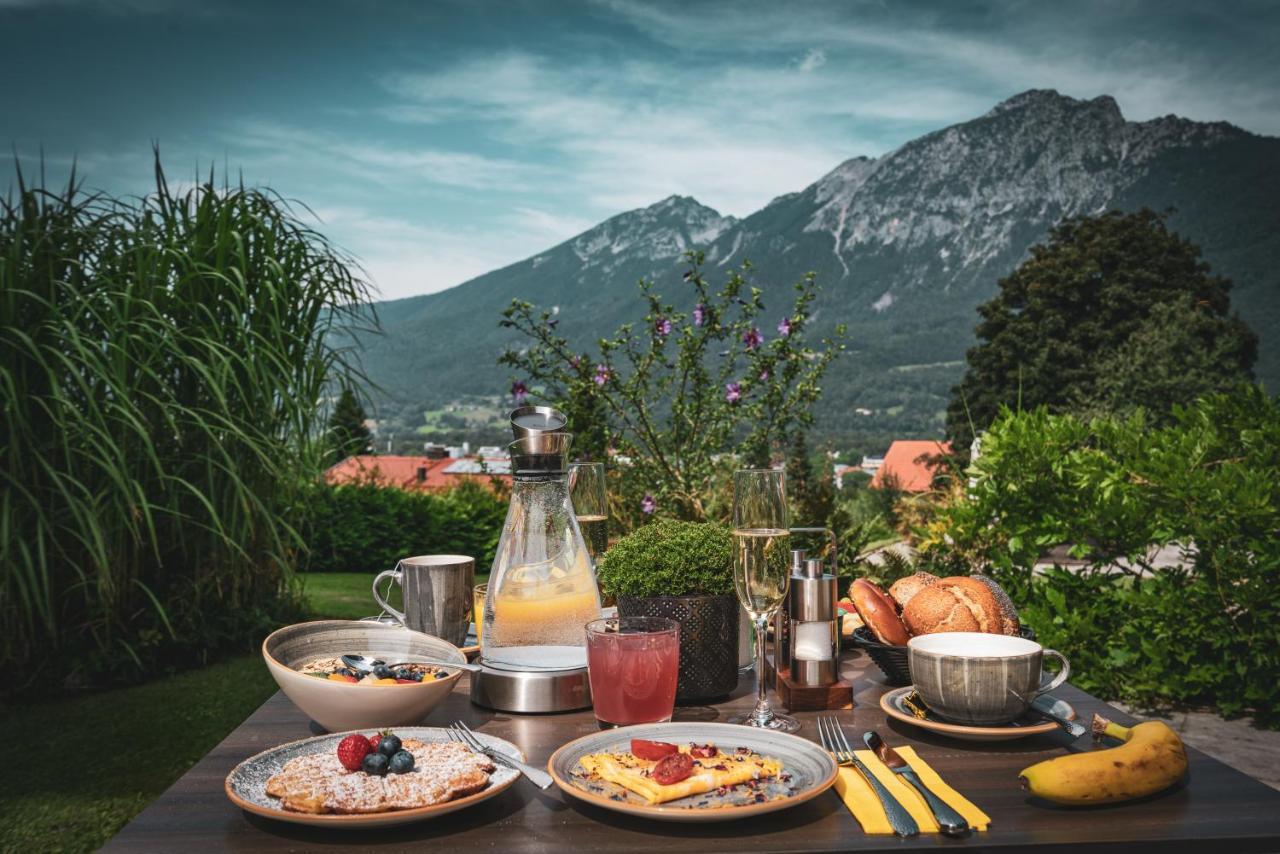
x: 1206, y: 633
x: 367, y: 528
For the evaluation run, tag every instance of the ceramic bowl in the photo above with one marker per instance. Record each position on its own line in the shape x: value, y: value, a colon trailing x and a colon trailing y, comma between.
x: 338, y: 706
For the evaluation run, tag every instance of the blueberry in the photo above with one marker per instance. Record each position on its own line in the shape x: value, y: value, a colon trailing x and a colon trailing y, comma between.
x: 389, y: 745
x: 375, y: 764
x: 402, y: 762
x: 383, y: 672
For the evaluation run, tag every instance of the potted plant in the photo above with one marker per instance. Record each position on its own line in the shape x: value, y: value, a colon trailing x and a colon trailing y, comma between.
x: 683, y: 571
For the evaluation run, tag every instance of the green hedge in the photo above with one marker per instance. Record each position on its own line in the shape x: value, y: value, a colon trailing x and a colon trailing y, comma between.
x: 367, y: 528
x: 1206, y: 633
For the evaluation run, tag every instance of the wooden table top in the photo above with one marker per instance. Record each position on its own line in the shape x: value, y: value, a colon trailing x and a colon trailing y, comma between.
x: 1219, y: 808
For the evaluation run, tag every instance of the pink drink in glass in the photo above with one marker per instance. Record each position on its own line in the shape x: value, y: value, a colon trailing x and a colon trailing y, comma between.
x: 633, y: 663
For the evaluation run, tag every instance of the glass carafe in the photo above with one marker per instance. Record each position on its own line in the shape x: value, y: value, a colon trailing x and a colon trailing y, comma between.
x: 542, y: 588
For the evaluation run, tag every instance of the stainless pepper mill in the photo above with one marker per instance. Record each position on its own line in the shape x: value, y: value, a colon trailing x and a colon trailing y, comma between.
x: 813, y: 634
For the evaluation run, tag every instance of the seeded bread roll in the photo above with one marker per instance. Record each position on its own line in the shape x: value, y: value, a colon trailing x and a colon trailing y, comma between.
x: 904, y: 588
x: 1008, y: 613
x: 954, y: 604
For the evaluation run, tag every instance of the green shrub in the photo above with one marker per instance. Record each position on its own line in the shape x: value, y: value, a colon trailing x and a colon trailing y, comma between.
x: 670, y: 558
x: 164, y: 361
x: 367, y: 528
x: 1207, y: 632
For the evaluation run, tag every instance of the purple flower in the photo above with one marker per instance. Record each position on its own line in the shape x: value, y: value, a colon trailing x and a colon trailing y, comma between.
x: 575, y: 361
x: 602, y: 375
x: 733, y: 392
x: 519, y: 391
x: 784, y: 327
x: 662, y: 326
x: 552, y: 323
x: 648, y: 504
x: 764, y: 375
x: 699, y: 314
x: 752, y: 338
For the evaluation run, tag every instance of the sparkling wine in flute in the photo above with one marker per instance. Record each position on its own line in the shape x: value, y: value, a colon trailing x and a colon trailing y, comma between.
x: 761, y: 570
x: 595, y: 531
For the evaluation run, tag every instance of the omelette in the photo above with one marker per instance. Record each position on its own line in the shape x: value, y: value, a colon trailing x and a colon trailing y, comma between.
x: 709, y: 774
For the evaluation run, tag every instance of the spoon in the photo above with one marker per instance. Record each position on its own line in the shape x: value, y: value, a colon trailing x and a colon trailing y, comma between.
x: 366, y: 665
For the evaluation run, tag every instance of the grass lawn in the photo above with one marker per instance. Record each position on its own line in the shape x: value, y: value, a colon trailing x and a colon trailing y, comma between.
x: 119, y: 749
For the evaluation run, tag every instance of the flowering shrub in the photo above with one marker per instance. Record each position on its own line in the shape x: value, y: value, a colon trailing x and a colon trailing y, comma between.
x: 675, y: 393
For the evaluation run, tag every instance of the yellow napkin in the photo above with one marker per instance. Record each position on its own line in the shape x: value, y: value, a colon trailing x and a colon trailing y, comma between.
x: 861, y: 799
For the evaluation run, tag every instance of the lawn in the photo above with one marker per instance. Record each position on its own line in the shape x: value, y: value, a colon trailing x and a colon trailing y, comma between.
x: 118, y: 749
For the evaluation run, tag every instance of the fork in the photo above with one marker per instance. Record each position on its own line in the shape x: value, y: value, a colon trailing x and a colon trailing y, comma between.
x: 834, y: 742
x: 462, y: 733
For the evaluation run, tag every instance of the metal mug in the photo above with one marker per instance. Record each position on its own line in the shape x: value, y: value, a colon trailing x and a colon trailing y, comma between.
x: 437, y: 594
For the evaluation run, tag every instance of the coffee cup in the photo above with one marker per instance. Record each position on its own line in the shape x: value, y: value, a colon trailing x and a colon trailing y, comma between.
x: 437, y: 594
x: 980, y: 679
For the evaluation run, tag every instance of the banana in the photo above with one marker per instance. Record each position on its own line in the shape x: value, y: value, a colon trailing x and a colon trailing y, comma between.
x: 1152, y: 758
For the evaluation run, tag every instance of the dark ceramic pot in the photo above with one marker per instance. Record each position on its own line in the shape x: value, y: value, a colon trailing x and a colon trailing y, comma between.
x: 708, y: 640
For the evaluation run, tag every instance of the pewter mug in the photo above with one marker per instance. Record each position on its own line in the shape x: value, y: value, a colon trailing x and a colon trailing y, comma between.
x: 437, y: 594
x: 980, y: 679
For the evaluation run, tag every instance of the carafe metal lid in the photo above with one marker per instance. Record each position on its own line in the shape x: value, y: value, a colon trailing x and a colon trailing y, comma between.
x: 534, y: 420
x: 540, y: 454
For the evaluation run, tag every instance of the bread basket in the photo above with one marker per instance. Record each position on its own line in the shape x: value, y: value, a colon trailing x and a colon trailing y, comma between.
x: 892, y: 660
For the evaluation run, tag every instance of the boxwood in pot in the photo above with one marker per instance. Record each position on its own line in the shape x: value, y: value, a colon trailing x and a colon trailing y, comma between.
x: 683, y: 571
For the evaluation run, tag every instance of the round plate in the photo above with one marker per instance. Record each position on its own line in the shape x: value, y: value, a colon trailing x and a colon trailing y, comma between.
x: 810, y: 768
x: 246, y: 785
x: 892, y: 705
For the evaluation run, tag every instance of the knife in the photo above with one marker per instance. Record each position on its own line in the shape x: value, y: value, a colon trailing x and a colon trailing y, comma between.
x: 1043, y: 705
x: 951, y: 822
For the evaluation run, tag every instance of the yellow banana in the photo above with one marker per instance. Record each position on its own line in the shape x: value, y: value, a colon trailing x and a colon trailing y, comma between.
x: 1152, y: 758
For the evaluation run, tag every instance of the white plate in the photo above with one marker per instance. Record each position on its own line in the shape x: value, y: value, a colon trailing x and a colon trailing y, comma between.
x: 246, y: 785
x: 807, y: 768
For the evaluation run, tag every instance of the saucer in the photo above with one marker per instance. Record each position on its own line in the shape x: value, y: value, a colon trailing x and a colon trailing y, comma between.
x: 1024, y: 727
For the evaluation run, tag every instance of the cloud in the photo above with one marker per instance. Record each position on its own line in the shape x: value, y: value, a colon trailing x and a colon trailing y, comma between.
x: 815, y: 58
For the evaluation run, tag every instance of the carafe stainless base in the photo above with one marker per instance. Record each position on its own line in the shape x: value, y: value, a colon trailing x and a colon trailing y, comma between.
x: 529, y: 692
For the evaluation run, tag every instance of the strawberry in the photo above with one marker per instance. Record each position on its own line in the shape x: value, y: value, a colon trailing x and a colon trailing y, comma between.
x: 352, y: 750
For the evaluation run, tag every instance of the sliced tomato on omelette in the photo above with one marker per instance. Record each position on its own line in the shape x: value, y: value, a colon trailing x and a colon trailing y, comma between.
x: 726, y: 769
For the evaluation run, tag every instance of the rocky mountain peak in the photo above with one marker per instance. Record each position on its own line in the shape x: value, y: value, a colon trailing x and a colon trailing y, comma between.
x: 662, y: 230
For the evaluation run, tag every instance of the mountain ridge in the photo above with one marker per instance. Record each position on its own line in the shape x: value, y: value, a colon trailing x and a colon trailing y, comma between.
x: 905, y: 246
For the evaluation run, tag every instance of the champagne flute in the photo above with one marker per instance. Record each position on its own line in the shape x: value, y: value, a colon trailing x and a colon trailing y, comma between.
x: 591, y: 507
x: 587, y: 493
x: 761, y: 572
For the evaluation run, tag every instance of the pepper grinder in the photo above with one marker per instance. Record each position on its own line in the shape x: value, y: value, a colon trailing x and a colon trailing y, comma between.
x: 781, y: 622
x: 813, y: 633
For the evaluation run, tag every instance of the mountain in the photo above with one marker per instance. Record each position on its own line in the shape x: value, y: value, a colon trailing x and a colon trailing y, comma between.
x: 905, y: 247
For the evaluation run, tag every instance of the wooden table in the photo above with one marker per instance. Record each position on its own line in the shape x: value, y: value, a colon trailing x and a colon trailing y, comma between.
x: 1220, y: 809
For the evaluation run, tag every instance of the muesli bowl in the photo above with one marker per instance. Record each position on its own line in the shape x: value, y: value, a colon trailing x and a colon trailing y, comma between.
x: 342, y: 705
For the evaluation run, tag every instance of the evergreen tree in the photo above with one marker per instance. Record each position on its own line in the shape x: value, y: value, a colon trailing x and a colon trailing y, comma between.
x: 812, y: 493
x: 348, y: 435
x: 1114, y: 312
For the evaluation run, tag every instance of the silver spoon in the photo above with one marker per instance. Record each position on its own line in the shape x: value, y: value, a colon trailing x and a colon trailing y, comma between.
x: 366, y: 665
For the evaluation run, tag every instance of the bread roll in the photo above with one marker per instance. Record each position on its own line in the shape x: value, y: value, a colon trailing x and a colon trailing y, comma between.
x: 1008, y: 613
x: 879, y: 613
x: 954, y: 604
x: 904, y: 588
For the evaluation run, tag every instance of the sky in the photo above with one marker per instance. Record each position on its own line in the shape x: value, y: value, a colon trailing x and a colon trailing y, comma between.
x: 439, y: 140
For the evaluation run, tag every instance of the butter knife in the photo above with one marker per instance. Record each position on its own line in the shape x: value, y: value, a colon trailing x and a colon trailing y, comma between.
x: 1044, y: 704
x: 950, y: 821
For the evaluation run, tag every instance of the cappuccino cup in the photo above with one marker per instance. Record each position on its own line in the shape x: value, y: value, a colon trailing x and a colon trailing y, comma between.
x: 437, y: 594
x: 980, y: 679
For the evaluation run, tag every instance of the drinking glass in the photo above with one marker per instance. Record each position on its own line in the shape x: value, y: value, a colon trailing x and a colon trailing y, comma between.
x: 477, y: 609
x: 761, y: 572
x: 587, y: 493
x: 633, y: 664
x: 591, y: 507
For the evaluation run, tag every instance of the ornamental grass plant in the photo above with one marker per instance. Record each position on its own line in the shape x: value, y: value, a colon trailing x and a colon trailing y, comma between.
x: 163, y: 365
